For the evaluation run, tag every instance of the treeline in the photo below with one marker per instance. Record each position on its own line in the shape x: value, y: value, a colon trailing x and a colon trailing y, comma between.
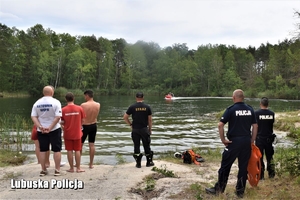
x: 38, y: 57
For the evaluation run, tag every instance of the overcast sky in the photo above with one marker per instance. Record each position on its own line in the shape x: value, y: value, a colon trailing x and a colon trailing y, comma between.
x: 166, y: 22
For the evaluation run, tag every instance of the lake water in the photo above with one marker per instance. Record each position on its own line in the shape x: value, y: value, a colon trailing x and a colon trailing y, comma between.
x: 177, y: 125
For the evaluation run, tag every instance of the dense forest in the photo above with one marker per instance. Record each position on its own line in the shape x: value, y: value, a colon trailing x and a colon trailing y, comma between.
x: 29, y: 60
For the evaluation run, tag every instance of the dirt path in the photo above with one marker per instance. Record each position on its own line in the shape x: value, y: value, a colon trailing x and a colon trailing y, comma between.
x: 102, y: 182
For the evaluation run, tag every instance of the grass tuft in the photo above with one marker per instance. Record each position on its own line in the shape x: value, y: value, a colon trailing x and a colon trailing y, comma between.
x: 164, y: 171
x: 150, y: 183
x: 120, y: 159
x: 9, y: 157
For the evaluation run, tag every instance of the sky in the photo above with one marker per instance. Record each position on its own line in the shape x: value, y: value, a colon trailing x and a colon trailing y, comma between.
x: 240, y: 23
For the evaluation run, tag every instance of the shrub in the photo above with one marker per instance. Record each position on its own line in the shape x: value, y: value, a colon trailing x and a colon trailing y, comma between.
x: 288, y: 160
x: 60, y: 92
x: 77, y: 92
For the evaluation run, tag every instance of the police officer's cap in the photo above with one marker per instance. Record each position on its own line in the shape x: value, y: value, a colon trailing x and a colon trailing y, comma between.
x: 139, y: 95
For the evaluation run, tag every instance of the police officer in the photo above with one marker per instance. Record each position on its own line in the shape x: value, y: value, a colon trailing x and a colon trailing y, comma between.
x: 265, y: 137
x: 141, y: 129
x: 240, y: 118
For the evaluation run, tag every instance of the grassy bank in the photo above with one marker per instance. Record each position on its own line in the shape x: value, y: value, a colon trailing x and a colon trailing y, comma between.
x: 288, y: 122
x: 14, y: 131
x: 283, y: 186
x: 61, y: 92
x: 14, y: 94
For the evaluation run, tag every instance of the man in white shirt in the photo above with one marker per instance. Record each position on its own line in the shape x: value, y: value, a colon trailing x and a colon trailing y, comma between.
x: 46, y: 114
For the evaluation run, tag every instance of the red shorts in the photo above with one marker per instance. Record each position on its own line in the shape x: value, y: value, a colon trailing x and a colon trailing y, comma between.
x: 73, y: 145
x: 34, y: 133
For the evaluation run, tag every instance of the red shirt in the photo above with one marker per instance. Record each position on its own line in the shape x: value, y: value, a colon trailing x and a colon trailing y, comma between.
x: 72, y: 116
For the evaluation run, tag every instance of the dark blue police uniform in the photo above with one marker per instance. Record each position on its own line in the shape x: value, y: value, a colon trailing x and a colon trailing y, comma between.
x: 265, y: 120
x: 240, y: 117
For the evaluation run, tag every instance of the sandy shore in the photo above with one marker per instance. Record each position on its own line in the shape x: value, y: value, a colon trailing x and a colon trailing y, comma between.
x: 102, y: 182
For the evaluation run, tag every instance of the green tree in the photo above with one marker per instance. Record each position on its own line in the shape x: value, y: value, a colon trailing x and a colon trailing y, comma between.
x: 161, y: 67
x: 36, y: 41
x: 67, y: 44
x: 202, y: 59
x: 294, y: 59
x: 151, y: 51
x: 278, y: 85
x: 231, y: 80
x: 82, y: 66
x: 106, y: 67
x: 188, y: 77
x: 258, y: 86
x: 229, y: 61
x: 247, y: 70
x: 119, y: 60
x: 136, y: 62
x: 12, y: 59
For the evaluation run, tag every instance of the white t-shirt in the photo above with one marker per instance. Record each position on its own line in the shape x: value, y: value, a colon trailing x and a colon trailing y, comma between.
x: 46, y: 109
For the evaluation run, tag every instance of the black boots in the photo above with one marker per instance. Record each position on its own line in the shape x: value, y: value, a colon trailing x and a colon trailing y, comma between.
x: 271, y: 169
x: 149, y: 158
x: 270, y: 172
x: 211, y: 190
x: 138, y: 159
x: 216, y: 190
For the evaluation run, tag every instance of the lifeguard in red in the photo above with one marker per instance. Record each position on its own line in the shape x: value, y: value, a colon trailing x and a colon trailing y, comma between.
x: 71, y: 120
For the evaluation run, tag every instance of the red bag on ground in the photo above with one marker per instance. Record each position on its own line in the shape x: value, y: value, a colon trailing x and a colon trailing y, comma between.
x: 254, y: 166
x: 34, y: 133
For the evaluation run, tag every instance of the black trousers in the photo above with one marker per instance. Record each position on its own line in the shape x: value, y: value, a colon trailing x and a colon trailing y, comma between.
x: 141, y: 134
x: 265, y: 146
x: 240, y: 148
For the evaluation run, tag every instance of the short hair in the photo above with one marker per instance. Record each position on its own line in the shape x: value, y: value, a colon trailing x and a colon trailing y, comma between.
x: 69, y: 97
x: 264, y: 101
x: 238, y: 93
x: 90, y: 93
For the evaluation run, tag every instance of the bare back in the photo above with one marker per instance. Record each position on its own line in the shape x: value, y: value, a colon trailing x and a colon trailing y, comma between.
x: 91, y: 109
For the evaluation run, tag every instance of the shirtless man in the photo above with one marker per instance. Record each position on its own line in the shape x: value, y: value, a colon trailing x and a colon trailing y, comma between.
x: 91, y: 109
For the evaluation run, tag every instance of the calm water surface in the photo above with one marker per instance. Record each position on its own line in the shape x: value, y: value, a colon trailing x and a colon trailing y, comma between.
x: 177, y: 125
